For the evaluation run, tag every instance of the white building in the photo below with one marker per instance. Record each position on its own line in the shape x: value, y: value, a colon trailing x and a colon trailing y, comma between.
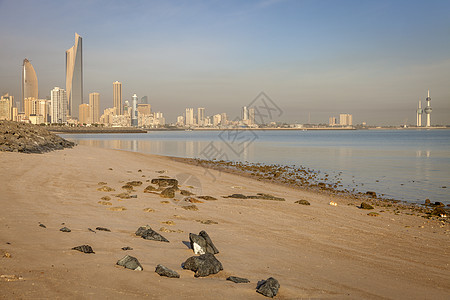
x: 190, y: 117
x: 217, y: 120
x: 58, y: 105
x: 201, y: 116
x: 345, y: 120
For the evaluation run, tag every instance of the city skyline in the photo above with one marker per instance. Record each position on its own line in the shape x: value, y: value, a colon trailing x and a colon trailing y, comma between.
x: 307, y: 56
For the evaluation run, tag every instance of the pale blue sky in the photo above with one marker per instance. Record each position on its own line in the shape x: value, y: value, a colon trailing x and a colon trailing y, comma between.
x: 373, y: 59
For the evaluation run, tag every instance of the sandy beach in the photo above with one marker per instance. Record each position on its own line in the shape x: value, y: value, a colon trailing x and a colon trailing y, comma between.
x: 315, y: 251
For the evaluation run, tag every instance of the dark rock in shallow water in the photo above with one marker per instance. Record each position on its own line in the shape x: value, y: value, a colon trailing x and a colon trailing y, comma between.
x: 269, y: 287
x: 202, y: 243
x: 42, y: 225
x: 303, y: 202
x: 203, y: 265
x: 84, y: 249
x: 365, y: 205
x: 126, y: 248
x: 168, y: 193
x: 146, y: 232
x: 130, y: 262
x: 65, y: 229
x: 439, y: 204
x: 102, y: 229
x: 238, y: 279
x: 163, y: 271
x: 371, y: 194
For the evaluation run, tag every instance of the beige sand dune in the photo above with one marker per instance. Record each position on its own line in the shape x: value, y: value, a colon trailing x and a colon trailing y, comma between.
x: 317, y: 251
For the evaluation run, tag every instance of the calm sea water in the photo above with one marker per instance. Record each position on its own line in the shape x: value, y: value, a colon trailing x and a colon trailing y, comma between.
x: 409, y: 165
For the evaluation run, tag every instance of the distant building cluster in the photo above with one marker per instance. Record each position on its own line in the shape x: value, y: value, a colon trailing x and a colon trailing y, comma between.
x: 427, y: 111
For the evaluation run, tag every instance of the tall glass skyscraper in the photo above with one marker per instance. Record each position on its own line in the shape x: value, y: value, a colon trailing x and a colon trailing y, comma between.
x: 29, y: 82
x: 74, y: 76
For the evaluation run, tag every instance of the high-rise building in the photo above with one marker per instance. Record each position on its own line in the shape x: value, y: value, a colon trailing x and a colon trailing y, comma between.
x: 74, y: 77
x: 428, y: 110
x: 332, y: 121
x: 58, y: 105
x: 201, y: 116
x: 6, y: 107
x: 419, y: 115
x: 223, y: 119
x: 217, y: 119
x: 117, y: 97
x: 29, y: 82
x: 94, y: 103
x: 345, y: 120
x: 180, y: 120
x: 189, y: 116
x: 85, y: 113
x: 134, y: 112
x: 244, y: 113
x: 251, y: 116
x: 144, y: 100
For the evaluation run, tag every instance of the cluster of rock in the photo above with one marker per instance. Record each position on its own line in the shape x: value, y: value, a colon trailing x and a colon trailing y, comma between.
x: 29, y: 138
x: 202, y: 265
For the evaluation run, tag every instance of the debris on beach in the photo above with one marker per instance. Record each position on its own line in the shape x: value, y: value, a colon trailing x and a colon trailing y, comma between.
x: 208, y: 198
x: 5, y: 254
x: 42, y: 225
x: 207, y: 222
x: 332, y: 203
x: 13, y: 277
x: 202, y: 243
x: 192, y: 200
x: 303, y: 202
x: 203, y: 265
x: 268, y: 287
x: 92, y: 230
x: 103, y: 229
x: 164, y: 271
x: 148, y: 209
x: 105, y: 189
x: 365, y: 205
x: 146, y: 232
x: 168, y: 193
x: 65, y: 229
x: 373, y: 214
x: 236, y: 279
x: 130, y: 262
x: 84, y: 248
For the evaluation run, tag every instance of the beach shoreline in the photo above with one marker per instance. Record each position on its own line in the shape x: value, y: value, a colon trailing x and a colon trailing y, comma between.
x: 317, y: 250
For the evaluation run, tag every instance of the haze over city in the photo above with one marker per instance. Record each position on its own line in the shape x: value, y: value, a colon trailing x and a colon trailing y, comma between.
x: 374, y: 60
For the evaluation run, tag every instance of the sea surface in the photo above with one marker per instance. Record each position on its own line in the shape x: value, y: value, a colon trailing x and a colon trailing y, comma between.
x: 408, y: 165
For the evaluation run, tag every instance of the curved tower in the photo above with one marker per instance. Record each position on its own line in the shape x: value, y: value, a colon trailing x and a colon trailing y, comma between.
x: 428, y: 110
x: 29, y: 81
x: 74, y: 76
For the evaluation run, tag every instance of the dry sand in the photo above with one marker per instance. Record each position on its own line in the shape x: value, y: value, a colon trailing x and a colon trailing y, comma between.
x: 317, y: 251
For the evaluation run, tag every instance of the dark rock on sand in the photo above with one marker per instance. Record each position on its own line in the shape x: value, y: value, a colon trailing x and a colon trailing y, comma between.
x: 237, y: 196
x: 365, y: 205
x: 84, y: 249
x: 238, y: 279
x: 164, y: 182
x: 203, y: 265
x: 163, y: 271
x: 146, y: 232
x: 371, y: 194
x: 42, y: 225
x: 126, y: 248
x: 438, y: 211
x: 439, y: 204
x: 65, y: 229
x: 202, y: 243
x: 209, y: 198
x: 269, y: 287
x: 92, y: 230
x: 130, y: 262
x: 186, y: 193
x: 149, y: 189
x: 168, y: 193
x: 102, y: 229
x: 135, y: 183
x: 303, y: 202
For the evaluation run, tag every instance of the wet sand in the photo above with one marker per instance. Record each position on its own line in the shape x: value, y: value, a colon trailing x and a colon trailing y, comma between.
x: 317, y: 251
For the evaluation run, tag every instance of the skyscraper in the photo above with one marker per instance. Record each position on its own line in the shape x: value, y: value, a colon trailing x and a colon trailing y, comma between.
x: 428, y: 110
x: 94, y: 103
x: 58, y: 105
x: 134, y: 113
x: 117, y: 97
x: 29, y: 82
x: 201, y: 116
x: 244, y: 113
x: 419, y: 115
x: 189, y: 116
x: 74, y: 76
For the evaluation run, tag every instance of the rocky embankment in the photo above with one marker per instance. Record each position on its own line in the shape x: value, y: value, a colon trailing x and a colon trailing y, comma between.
x: 28, y: 138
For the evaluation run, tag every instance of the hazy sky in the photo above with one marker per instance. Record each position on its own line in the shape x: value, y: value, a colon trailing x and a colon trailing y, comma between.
x: 373, y: 59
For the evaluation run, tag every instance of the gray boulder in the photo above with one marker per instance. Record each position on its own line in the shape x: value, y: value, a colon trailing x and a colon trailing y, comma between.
x: 202, y: 243
x: 203, y: 265
x: 146, y: 232
x: 65, y: 229
x: 238, y: 279
x: 84, y: 248
x: 164, y: 271
x: 269, y: 287
x: 130, y: 262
